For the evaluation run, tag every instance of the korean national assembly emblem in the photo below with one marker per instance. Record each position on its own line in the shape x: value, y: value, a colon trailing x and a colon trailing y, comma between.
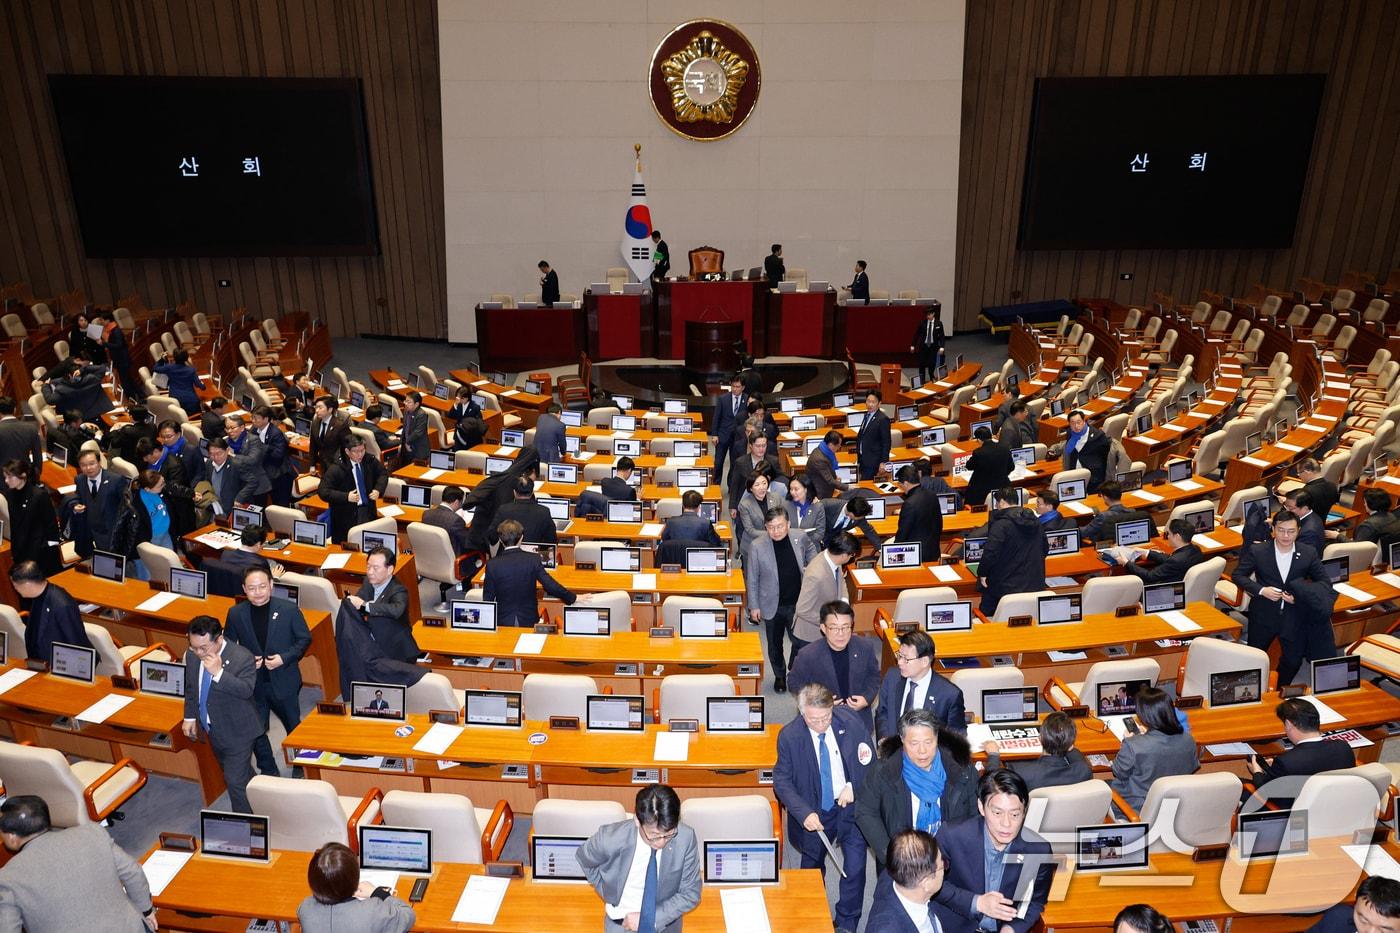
x: 704, y: 80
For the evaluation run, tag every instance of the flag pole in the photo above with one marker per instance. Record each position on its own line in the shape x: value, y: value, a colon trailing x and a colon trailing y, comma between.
x: 638, y: 147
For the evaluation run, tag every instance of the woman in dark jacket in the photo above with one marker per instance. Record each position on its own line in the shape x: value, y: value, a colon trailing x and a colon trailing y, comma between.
x: 1059, y: 763
x: 142, y: 508
x: 80, y: 344
x: 181, y: 379
x: 33, y: 524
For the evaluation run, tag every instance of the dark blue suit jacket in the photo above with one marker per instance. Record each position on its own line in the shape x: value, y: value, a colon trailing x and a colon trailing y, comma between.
x: 53, y: 616
x: 690, y: 526
x: 887, y: 914
x: 276, y: 461
x: 814, y: 665
x: 873, y: 443
x: 725, y: 421
x: 797, y: 777
x: 943, y: 699
x: 101, y: 514
x: 962, y: 845
x: 287, y: 635
x: 510, y: 580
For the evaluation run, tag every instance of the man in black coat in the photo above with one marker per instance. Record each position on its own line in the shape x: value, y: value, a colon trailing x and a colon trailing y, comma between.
x: 1381, y: 525
x: 773, y: 267
x: 927, y: 342
x: 353, y: 488
x: 1311, y: 753
x: 1013, y: 560
x: 913, y: 684
x: 384, y: 601
x: 873, y: 438
x: 533, y: 517
x: 549, y: 284
x: 1324, y: 492
x: 277, y: 461
x: 690, y: 525
x: 1086, y: 448
x: 329, y: 432
x: 511, y: 577
x: 447, y: 516
x: 616, y: 488
x: 493, y: 492
x: 1170, y: 568
x: 211, y: 422
x: 416, y: 445
x: 100, y: 495
x: 730, y: 411
x: 1312, y: 530
x: 1101, y: 526
x: 919, y: 518
x: 19, y: 440
x: 849, y: 515
x: 53, y: 614
x: 860, y: 285
x: 1275, y: 611
x: 1019, y: 429
x: 660, y: 257
x: 989, y: 468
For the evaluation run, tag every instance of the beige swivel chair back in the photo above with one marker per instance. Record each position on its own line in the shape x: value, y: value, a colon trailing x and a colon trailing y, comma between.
x: 1360, y: 555
x: 1179, y: 826
x: 282, y: 520
x: 304, y: 815
x: 46, y: 773
x: 546, y: 695
x: 973, y: 682
x: 557, y: 816
x: 314, y: 593
x: 356, y: 535
x: 159, y: 561
x: 749, y: 816
x: 1106, y: 594
x: 463, y: 833
x: 13, y: 628
x: 683, y: 696
x: 909, y: 605
x: 1207, y: 656
x: 1054, y: 812
x: 432, y: 692
x: 1019, y: 604
x: 618, y: 603
x: 433, y: 551
x: 1339, y: 803
x: 1201, y: 579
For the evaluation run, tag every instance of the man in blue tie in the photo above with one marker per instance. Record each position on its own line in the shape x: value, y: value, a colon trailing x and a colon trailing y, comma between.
x: 646, y: 869
x: 353, y: 488
x: 220, y: 677
x: 822, y: 757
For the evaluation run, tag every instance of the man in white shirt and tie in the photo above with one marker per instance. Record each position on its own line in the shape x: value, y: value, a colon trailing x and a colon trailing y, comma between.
x: 913, y: 684
x: 928, y: 343
x: 100, y: 495
x: 913, y: 875
x: 730, y: 412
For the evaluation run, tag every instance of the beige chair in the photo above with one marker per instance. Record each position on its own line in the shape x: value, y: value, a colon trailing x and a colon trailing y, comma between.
x: 1163, y: 353
x: 434, y: 692
x: 305, y: 814
x: 910, y: 604
x: 1201, y: 580
x: 748, y: 816
x: 1360, y: 555
x: 434, y: 554
x: 1069, y: 476
x: 546, y: 695
x: 282, y: 520
x: 12, y: 626
x: 973, y: 682
x: 159, y: 561
x: 617, y: 277
x: 1019, y: 604
x: 78, y: 793
x: 589, y: 551
x: 505, y: 300
x: 1207, y: 656
x: 314, y: 593
x: 1207, y: 457
x: 1376, y: 310
x: 356, y: 535
x: 683, y: 696
x: 1106, y: 594
x: 557, y: 816
x: 1054, y: 812
x: 618, y: 603
x: 457, y: 824
x: 116, y: 659
x: 671, y: 608
x: 949, y: 414
x: 1208, y: 820
x: 1341, y: 803
x: 1060, y: 694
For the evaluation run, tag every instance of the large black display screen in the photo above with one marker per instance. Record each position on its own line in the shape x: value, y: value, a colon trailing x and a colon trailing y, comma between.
x: 1133, y: 163
x: 217, y: 166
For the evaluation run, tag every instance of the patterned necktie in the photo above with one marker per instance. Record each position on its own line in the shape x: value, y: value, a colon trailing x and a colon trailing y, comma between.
x: 824, y: 765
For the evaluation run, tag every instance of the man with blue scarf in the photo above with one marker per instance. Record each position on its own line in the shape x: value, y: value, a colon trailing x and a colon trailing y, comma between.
x: 1086, y: 448
x: 821, y: 468
x: 920, y: 786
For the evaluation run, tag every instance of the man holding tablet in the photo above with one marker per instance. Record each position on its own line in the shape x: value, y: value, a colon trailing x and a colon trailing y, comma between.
x: 1170, y: 568
x: 221, y: 677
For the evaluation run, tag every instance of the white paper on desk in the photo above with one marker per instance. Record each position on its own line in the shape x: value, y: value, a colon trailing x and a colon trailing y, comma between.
x: 1288, y: 447
x: 945, y: 574
x: 1148, y: 496
x: 1325, y: 713
x: 1186, y: 485
x: 1178, y: 620
x: 482, y: 382
x: 1346, y: 589
x: 104, y: 708
x: 1178, y: 428
x: 335, y: 561
x: 680, y: 461
x: 157, y: 602
x: 651, y: 529
x: 930, y: 451
x: 162, y: 867
x: 920, y: 423
x: 67, y: 490
x: 744, y: 910
x: 921, y: 392
x: 437, y: 739
x: 790, y: 436
x: 380, y: 878
x: 1374, y: 861
x: 1067, y: 655
x: 431, y: 474
x: 850, y: 410
x: 529, y: 643
x: 1078, y: 508
x: 643, y: 581
x: 390, y: 511
x: 13, y: 677
x: 866, y: 576
x: 621, y: 435
x: 1253, y: 461
x: 510, y: 392
x: 582, y: 455
x: 1230, y: 749
x: 978, y: 734
x: 1205, y: 541
x: 480, y: 900
x: 397, y: 384
x: 672, y: 746
x: 1389, y: 579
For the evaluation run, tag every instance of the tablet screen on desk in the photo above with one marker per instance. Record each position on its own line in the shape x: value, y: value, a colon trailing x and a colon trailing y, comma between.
x: 933, y: 436
x: 627, y: 447
x: 73, y: 661
x: 1062, y: 542
x: 555, y: 858
x: 571, y: 419
x: 165, y: 678
x: 108, y: 566
x: 493, y: 708
x: 494, y: 465
x: 896, y: 556
x: 396, y: 848
x: 741, y: 861
x: 692, y: 479
x: 513, y: 438
x: 810, y: 444
x: 548, y: 553
x: 842, y: 400
x: 624, y: 422
x: 1131, y: 534
x: 790, y: 405
x: 1336, y: 674
x: 1163, y: 597
x: 470, y: 615
x: 1271, y: 833
x: 846, y: 474
x: 734, y: 714
x: 706, y: 560
x: 804, y: 422
x: 877, y: 508
x: 1008, y: 705
x: 948, y: 617
x: 1202, y: 521
x: 620, y: 559
x: 1131, y: 481
x: 710, y: 510
x: 581, y: 620
x: 855, y: 419
x: 369, y: 540
x: 1338, y: 570
x: 234, y: 835
x: 626, y: 513
x: 377, y: 701
x: 1052, y: 610
x: 1023, y: 456
x: 245, y: 515
x: 685, y: 449
x: 907, y: 413
x: 680, y: 425
x: 1120, y: 698
x: 417, y: 496
x: 562, y: 473
x: 191, y: 583
x: 972, y: 549
x: 1111, y: 845
x: 291, y: 592
x: 676, y: 406
x: 947, y: 504
x: 312, y: 533
x: 704, y: 623
x: 442, y: 460
x: 1231, y: 688
x: 611, y: 713
x: 558, y: 508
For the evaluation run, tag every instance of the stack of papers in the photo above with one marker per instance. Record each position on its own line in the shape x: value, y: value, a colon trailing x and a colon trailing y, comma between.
x: 643, y: 581
x: 1204, y: 541
x: 14, y: 677
x: 1187, y: 485
x: 161, y: 868
x: 1067, y: 655
x: 530, y: 643
x: 651, y: 529
x: 431, y: 474
x: 335, y: 560
x: 1148, y: 496
x: 437, y: 739
x: 866, y: 577
x: 1373, y: 860
x: 1252, y: 461
x: 480, y: 900
x: 390, y: 511
x: 1178, y: 620
x: 1078, y: 508
x: 1346, y: 589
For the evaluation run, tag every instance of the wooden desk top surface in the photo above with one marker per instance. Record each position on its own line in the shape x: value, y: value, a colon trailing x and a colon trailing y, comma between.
x: 667, y: 584
x: 63, y: 696
x: 619, y: 647
x: 302, y: 556
x: 128, y: 595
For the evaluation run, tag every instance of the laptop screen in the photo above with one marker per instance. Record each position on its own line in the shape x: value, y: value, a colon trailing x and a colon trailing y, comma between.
x: 558, y: 508
x: 245, y: 515
x: 555, y: 858
x: 750, y: 861
x: 842, y: 400
x: 804, y: 422
x: 513, y: 438
x: 1062, y: 542
x: 571, y: 419
x: 1110, y: 845
x: 1229, y: 688
x: 676, y: 406
x: 1070, y: 490
x: 692, y: 479
x: 1338, y: 570
x: 494, y: 465
x: 1128, y: 534
x: 394, y: 848
x: 948, y: 617
x: 680, y: 425
x: 369, y: 540
x: 1053, y: 610
x: 686, y: 449
x: 1023, y: 456
x: 1010, y: 704
x: 1202, y: 521
x: 933, y: 436
x: 493, y: 708
x: 1131, y: 481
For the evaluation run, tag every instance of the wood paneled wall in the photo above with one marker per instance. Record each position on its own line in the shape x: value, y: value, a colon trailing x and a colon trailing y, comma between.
x: 390, y: 45
x: 1349, y: 218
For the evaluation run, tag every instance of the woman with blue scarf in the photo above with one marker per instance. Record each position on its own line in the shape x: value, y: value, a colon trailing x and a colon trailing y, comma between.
x: 920, y: 786
x: 805, y: 511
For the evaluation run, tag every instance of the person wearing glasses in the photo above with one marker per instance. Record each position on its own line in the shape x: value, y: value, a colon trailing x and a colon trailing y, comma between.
x: 846, y: 664
x: 914, y: 684
x: 646, y: 869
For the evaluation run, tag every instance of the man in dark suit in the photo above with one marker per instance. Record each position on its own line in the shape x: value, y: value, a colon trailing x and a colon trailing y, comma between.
x: 1311, y: 753
x: 1019, y: 429
x: 511, y: 577
x: 549, y: 284
x: 1274, y: 610
x: 846, y: 664
x: 248, y: 553
x: 1171, y: 568
x: 1381, y: 525
x: 549, y: 435
x: 1377, y: 910
x: 773, y: 266
x: 823, y: 754
x: 379, y: 704
x: 416, y: 446
x: 329, y: 432
x: 232, y: 478
x: 384, y: 601
x: 19, y: 440
x: 447, y: 516
x: 1013, y: 560
x: 690, y: 525
x: 1060, y: 763
x: 1047, y: 511
x: 122, y: 441
x: 730, y: 411
x: 1101, y: 526
x: 914, y: 871
x: 992, y: 859
x: 178, y: 492
x: 1086, y: 448
x: 849, y: 515
x: 275, y: 631
x: 53, y: 614
x: 211, y: 422
x: 927, y: 343
x: 920, y: 521
x: 914, y: 684
x: 277, y: 462
x: 534, y: 518
x: 860, y: 285
x: 873, y: 438
x: 616, y: 488
x: 660, y: 257
x: 989, y: 468
x: 220, y: 677
x: 758, y: 455
x: 353, y: 488
x: 1312, y: 530
x: 171, y: 438
x: 100, y: 495
x: 821, y: 468
x: 1323, y: 491
x: 81, y: 390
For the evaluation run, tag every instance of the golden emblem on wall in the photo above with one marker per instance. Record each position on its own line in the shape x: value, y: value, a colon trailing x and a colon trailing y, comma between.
x: 704, y: 79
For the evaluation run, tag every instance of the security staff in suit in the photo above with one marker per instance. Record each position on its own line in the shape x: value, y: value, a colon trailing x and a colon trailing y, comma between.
x: 873, y: 438
x: 277, y: 462
x: 1267, y: 571
x: 773, y: 267
x: 773, y: 580
x: 19, y: 440
x: 1086, y: 447
x: 690, y: 525
x: 1312, y: 530
x: 920, y: 521
x: 447, y: 515
x: 415, y: 447
x: 353, y: 488
x: 821, y: 467
x: 532, y: 517
x: 992, y: 858
x: 100, y: 494
x: 1019, y: 429
x: 823, y: 754
x: 549, y: 284
x: 822, y: 582
x: 846, y: 664
x: 220, y: 677
x: 549, y: 435
x: 1060, y: 763
x: 646, y: 869
x: 384, y: 601
x: 730, y: 410
x: 511, y: 577
x: 58, y: 881
x: 232, y: 478
x: 53, y: 614
x: 1171, y: 568
x: 329, y: 432
x: 851, y: 516
x: 1310, y: 754
x: 919, y: 786
x: 1013, y: 560
x: 989, y: 468
x: 1101, y: 526
x: 928, y: 341
x: 914, y: 871
x: 913, y: 684
x: 660, y: 257
x: 275, y: 631
x: 860, y: 285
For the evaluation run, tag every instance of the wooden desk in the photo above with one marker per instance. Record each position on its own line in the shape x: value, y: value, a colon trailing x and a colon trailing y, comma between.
x: 728, y: 588
x: 220, y: 887
x: 147, y: 730
x: 930, y: 392
x: 169, y: 623
x: 1053, y: 429
x: 1363, y: 709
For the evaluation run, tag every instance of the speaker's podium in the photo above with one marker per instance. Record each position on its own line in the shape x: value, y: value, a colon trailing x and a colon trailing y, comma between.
x: 724, y: 309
